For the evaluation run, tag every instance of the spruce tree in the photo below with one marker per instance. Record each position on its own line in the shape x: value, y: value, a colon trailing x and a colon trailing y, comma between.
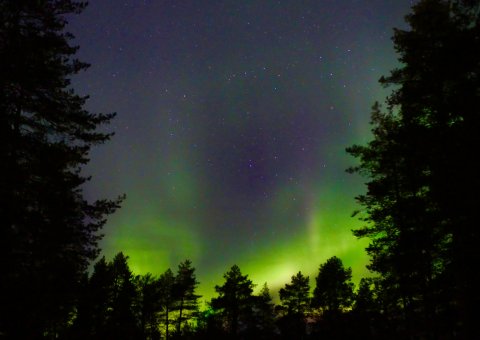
x: 48, y: 231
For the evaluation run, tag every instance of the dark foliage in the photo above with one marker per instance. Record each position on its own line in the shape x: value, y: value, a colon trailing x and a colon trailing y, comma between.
x: 423, y: 181
x: 167, y: 293
x: 49, y: 231
x: 107, y: 307
x: 234, y: 302
x: 114, y: 304
x: 184, y: 291
x: 334, y: 290
x: 263, y: 315
x: 148, y: 305
x: 295, y: 304
x: 332, y: 299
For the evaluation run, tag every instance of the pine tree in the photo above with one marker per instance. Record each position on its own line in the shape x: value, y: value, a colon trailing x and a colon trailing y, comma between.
x: 295, y: 305
x: 264, y: 314
x: 168, y: 299
x: 364, y: 297
x: 149, y: 305
x: 106, y: 308
x: 334, y: 290
x: 186, y: 300
x: 122, y: 323
x: 365, y: 319
x: 107, y: 305
x: 295, y: 296
x: 48, y: 229
x: 94, y: 303
x: 422, y: 191
x: 234, y: 302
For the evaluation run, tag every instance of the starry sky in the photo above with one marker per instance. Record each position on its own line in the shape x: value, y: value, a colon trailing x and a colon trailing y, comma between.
x: 233, y: 119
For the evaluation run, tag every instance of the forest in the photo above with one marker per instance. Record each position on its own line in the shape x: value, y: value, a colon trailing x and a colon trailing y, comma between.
x: 419, y: 208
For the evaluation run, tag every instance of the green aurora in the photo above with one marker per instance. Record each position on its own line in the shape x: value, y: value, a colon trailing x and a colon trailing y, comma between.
x: 231, y: 130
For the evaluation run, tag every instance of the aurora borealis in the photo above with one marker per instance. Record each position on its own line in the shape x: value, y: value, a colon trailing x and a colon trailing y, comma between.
x: 233, y: 119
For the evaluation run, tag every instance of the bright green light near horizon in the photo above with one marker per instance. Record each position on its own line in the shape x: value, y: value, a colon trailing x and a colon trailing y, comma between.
x: 326, y: 233
x: 151, y: 241
x: 160, y: 226
x: 155, y: 232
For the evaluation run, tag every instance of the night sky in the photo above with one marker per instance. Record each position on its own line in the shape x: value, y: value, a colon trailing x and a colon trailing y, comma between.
x: 233, y: 119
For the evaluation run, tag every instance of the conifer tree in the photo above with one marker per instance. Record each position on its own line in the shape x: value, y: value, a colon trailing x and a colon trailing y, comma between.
x: 364, y: 297
x: 365, y: 320
x: 421, y: 198
x: 106, y: 307
x: 234, y: 301
x: 334, y: 290
x: 167, y: 293
x: 94, y: 303
x: 186, y: 303
x: 295, y: 305
x: 264, y: 314
x: 149, y: 305
x: 48, y: 231
x: 295, y: 296
x: 122, y: 321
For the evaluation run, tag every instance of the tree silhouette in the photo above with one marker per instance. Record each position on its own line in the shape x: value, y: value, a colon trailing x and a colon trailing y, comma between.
x: 294, y: 296
x: 184, y: 291
x: 209, y: 325
x: 94, y: 303
x: 397, y: 233
x: 48, y: 232
x: 234, y: 301
x: 366, y: 320
x: 149, y: 305
x: 334, y: 290
x: 107, y: 304
x: 167, y: 292
x: 295, y: 300
x: 122, y: 317
x: 364, y: 297
x: 263, y: 314
x: 421, y: 199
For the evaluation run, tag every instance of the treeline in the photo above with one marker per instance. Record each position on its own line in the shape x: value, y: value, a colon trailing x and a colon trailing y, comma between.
x: 113, y: 303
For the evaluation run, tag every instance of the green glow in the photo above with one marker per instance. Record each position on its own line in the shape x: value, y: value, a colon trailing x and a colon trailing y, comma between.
x: 157, y: 229
x: 308, y: 220
x: 156, y: 240
x: 325, y: 233
x: 175, y: 193
x: 153, y: 244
